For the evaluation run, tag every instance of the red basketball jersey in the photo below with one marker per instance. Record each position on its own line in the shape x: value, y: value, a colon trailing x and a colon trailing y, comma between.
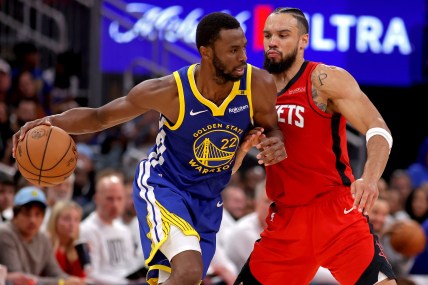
x: 316, y: 145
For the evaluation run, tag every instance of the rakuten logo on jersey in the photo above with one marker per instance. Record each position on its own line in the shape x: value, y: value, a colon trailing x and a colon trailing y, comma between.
x: 291, y: 114
x: 238, y: 109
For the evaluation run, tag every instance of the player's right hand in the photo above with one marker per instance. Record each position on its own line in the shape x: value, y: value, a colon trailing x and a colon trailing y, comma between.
x: 20, y: 134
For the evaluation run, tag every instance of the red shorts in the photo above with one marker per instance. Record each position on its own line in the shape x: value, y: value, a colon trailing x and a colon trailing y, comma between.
x: 324, y: 233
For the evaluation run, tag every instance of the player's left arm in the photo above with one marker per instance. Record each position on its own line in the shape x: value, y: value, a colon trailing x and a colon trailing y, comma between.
x: 344, y: 96
x: 264, y: 97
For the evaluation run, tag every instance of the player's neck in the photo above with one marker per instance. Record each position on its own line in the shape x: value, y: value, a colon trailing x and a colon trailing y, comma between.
x: 282, y: 79
x: 210, y: 88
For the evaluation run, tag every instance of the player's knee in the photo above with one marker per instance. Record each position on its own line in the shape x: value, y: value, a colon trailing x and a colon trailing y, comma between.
x: 189, y: 275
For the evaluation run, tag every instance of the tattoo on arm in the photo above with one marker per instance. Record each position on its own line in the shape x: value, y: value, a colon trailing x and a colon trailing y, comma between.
x: 315, y: 97
x: 321, y: 77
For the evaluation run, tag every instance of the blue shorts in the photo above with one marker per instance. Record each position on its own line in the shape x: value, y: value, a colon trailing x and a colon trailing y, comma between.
x: 160, y: 204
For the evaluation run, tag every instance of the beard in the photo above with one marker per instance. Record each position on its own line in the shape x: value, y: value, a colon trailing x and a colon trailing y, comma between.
x: 281, y: 66
x: 221, y: 75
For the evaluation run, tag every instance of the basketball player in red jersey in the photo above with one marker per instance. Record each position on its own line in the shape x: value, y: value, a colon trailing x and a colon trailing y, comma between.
x: 319, y: 214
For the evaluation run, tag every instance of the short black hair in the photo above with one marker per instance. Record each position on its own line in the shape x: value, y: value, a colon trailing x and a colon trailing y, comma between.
x: 297, y: 14
x: 208, y: 30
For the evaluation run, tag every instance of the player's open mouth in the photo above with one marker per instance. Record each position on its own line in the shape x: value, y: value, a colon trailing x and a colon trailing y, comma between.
x: 240, y: 71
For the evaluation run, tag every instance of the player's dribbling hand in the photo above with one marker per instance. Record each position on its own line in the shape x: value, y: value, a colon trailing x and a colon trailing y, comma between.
x: 20, y: 134
x: 365, y: 194
x: 272, y: 151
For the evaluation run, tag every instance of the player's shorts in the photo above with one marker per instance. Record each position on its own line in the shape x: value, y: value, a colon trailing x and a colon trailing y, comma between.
x: 160, y: 204
x: 325, y: 233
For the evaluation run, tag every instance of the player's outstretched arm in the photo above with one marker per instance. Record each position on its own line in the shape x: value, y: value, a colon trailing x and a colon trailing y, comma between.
x: 157, y: 94
x: 345, y: 97
x: 264, y: 99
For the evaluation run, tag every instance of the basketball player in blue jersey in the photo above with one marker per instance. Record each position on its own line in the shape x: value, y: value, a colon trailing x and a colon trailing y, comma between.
x: 211, y: 114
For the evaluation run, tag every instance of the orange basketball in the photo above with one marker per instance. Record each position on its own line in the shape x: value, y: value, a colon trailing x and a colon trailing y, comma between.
x: 46, y: 156
x: 407, y: 237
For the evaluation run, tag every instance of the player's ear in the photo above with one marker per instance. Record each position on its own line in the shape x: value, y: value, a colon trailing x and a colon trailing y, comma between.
x: 304, y: 40
x: 206, y: 52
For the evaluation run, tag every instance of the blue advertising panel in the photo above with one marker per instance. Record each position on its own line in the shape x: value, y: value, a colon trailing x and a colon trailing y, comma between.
x: 379, y: 42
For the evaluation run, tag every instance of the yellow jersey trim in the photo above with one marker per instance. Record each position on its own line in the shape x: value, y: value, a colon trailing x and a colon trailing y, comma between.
x: 249, y: 93
x: 154, y: 281
x: 181, y: 101
x: 168, y: 219
x: 216, y: 110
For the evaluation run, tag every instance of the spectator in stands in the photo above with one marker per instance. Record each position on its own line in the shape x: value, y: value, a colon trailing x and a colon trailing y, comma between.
x: 63, y: 230
x: 418, y: 170
x: 420, y: 265
x: 234, y: 201
x: 234, y: 207
x: 382, y: 185
x: 64, y: 79
x: 401, y: 181
x: 6, y: 131
x: 17, y: 278
x: 378, y: 215
x: 130, y: 220
x: 24, y: 248
x: 24, y: 86
x: 84, y: 184
x: 5, y: 80
x: 7, y: 192
x: 111, y: 247
x: 417, y: 204
x: 27, y: 58
x: 56, y: 193
x: 221, y: 268
x: 396, y: 207
x: 25, y: 111
x: 242, y: 236
x: 251, y: 177
x: 221, y: 271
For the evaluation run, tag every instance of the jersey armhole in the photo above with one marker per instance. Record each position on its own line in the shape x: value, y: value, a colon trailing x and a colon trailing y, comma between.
x: 181, y: 102
x: 249, y: 93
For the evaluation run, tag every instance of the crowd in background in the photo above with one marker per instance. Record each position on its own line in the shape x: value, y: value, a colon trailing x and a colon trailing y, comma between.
x: 94, y: 206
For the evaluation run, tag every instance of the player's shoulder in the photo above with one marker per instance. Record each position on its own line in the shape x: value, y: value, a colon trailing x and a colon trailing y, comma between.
x: 333, y: 81
x: 324, y: 70
x: 160, y: 84
x: 325, y: 75
x: 261, y: 75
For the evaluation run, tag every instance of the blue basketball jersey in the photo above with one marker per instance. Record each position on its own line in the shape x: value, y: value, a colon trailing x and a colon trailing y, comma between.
x: 197, y: 153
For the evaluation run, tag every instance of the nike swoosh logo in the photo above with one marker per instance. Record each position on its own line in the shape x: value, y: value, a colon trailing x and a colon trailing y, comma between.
x: 347, y: 211
x: 196, y: 113
x: 219, y: 204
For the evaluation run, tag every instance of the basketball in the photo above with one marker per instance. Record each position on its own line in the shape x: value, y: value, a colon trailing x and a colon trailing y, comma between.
x: 408, y: 238
x: 46, y: 156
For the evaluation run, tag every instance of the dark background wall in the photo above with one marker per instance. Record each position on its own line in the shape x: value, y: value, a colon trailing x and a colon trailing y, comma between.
x: 405, y: 110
